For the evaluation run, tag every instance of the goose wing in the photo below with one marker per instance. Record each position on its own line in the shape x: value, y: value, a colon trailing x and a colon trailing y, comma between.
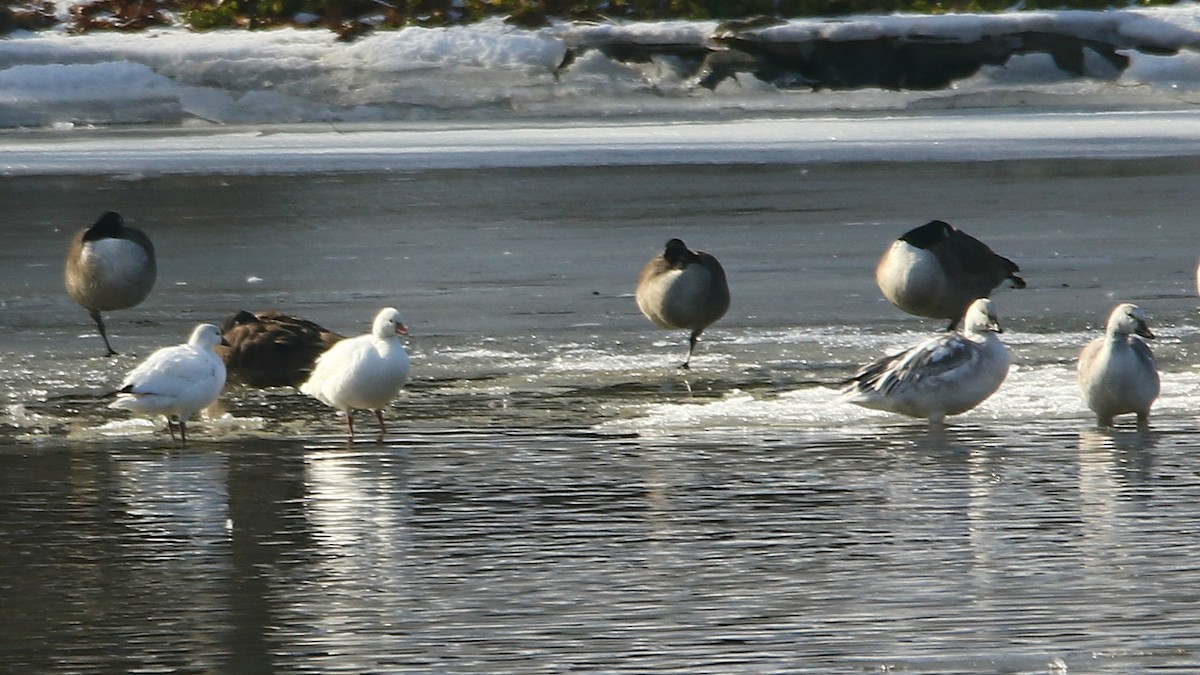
x: 170, y: 371
x: 936, y: 358
x: 982, y: 269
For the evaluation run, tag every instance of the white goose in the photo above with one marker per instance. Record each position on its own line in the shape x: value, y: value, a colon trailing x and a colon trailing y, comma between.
x: 366, y: 371
x: 944, y: 375
x: 109, y: 266
x: 176, y: 382
x: 937, y: 270
x: 1117, y: 373
x: 682, y: 288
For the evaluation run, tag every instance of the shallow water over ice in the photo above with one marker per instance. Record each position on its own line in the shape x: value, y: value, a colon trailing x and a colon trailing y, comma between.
x: 553, y: 493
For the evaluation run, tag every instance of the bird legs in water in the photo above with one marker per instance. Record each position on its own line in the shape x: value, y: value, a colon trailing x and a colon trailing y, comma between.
x: 686, y: 365
x: 103, y: 333
x: 382, y: 426
x: 350, y: 425
x: 182, y: 429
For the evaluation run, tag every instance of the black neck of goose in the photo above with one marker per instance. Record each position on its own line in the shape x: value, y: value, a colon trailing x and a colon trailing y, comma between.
x: 677, y: 253
x: 928, y: 234
x: 110, y: 226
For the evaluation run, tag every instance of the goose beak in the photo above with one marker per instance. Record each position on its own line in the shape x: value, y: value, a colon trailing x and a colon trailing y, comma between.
x: 401, y: 330
x: 1144, y: 330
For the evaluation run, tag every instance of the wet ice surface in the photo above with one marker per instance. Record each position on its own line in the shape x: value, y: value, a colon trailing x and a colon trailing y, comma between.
x: 554, y: 494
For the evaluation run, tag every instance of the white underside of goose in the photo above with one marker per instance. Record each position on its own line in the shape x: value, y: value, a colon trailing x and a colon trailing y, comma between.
x: 118, y: 272
x: 911, y: 278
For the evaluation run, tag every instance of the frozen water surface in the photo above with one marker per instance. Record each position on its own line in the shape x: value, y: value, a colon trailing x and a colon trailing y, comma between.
x: 555, y: 495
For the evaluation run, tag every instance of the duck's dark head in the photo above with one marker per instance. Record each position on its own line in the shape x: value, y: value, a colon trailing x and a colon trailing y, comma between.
x: 928, y: 234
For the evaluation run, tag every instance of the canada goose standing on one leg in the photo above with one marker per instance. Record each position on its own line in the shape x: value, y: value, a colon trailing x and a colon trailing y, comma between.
x: 109, y: 266
x: 1117, y: 373
x: 937, y: 271
x: 682, y: 288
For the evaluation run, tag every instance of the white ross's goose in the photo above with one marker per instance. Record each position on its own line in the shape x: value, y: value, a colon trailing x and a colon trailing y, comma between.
x: 366, y: 371
x: 681, y: 288
x: 109, y: 266
x: 944, y: 375
x: 1117, y: 374
x: 936, y: 271
x: 176, y: 382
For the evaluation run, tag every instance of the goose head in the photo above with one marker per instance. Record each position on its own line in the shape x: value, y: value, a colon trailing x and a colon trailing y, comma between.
x: 388, y: 324
x: 206, y: 336
x: 1129, y: 319
x: 981, y: 316
x: 677, y: 254
x: 109, y: 226
x: 927, y: 235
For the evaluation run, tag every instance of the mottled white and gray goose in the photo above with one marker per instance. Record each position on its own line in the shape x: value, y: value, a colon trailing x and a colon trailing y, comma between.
x: 1117, y: 373
x: 683, y: 289
x: 936, y: 271
x: 109, y: 266
x: 272, y: 349
x: 947, y: 374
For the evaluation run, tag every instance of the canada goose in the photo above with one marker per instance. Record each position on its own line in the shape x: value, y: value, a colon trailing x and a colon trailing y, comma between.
x: 936, y: 271
x: 109, y: 266
x: 366, y: 371
x: 684, y: 289
x: 272, y: 349
x: 1117, y: 373
x: 947, y: 374
x: 176, y: 381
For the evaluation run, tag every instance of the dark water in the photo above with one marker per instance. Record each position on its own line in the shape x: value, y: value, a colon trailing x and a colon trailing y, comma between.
x: 553, y: 495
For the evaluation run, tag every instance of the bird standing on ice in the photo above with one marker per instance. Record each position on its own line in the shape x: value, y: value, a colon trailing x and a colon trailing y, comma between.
x: 176, y: 382
x: 1117, y: 373
x: 109, y: 266
x: 937, y: 271
x: 685, y: 289
x: 272, y: 349
x: 944, y: 375
x: 366, y: 371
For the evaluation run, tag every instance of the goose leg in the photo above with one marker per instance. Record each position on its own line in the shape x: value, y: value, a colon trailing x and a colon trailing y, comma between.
x: 103, y: 333
x: 350, y: 424
x: 382, y: 426
x: 171, y: 428
x: 691, y: 348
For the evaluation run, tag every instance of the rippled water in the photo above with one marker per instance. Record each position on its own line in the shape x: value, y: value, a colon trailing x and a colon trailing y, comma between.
x: 554, y: 495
